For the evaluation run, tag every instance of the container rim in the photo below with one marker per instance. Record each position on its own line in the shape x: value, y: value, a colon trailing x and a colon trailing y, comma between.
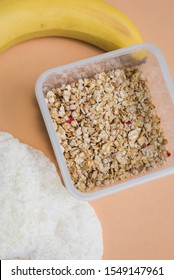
x: 169, y: 83
x: 149, y: 46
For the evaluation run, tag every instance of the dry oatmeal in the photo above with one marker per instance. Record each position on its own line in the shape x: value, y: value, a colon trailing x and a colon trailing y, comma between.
x: 108, y: 127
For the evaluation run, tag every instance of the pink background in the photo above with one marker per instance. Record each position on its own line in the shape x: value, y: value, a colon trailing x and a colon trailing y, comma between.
x: 137, y: 223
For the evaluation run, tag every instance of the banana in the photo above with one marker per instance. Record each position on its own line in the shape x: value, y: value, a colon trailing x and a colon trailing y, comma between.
x: 92, y: 21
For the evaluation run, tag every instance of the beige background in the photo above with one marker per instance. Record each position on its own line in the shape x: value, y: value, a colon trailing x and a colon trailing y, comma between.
x: 137, y: 223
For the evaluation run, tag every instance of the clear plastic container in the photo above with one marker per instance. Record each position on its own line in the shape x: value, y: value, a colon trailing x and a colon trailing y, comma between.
x: 161, y: 87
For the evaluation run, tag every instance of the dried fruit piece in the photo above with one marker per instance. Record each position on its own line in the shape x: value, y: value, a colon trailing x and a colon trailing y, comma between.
x: 70, y: 120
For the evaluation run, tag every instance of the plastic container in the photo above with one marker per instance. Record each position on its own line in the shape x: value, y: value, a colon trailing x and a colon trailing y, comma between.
x: 161, y: 86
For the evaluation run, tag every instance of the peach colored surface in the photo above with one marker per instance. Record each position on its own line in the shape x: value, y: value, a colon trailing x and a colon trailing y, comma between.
x: 137, y: 223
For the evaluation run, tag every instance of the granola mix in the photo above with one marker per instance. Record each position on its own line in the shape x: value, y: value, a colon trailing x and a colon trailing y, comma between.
x: 108, y: 127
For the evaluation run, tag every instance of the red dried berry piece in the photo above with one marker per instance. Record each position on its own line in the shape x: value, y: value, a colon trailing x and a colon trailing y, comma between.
x: 128, y: 122
x: 70, y: 120
x: 168, y: 154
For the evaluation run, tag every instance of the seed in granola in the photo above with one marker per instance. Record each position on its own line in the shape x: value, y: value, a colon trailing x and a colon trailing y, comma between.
x: 72, y: 107
x: 98, y: 183
x: 142, y: 140
x: 51, y: 100
x: 165, y: 142
x: 61, y: 111
x: 67, y: 155
x: 134, y: 134
x: 50, y: 94
x: 66, y: 126
x: 91, y: 101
